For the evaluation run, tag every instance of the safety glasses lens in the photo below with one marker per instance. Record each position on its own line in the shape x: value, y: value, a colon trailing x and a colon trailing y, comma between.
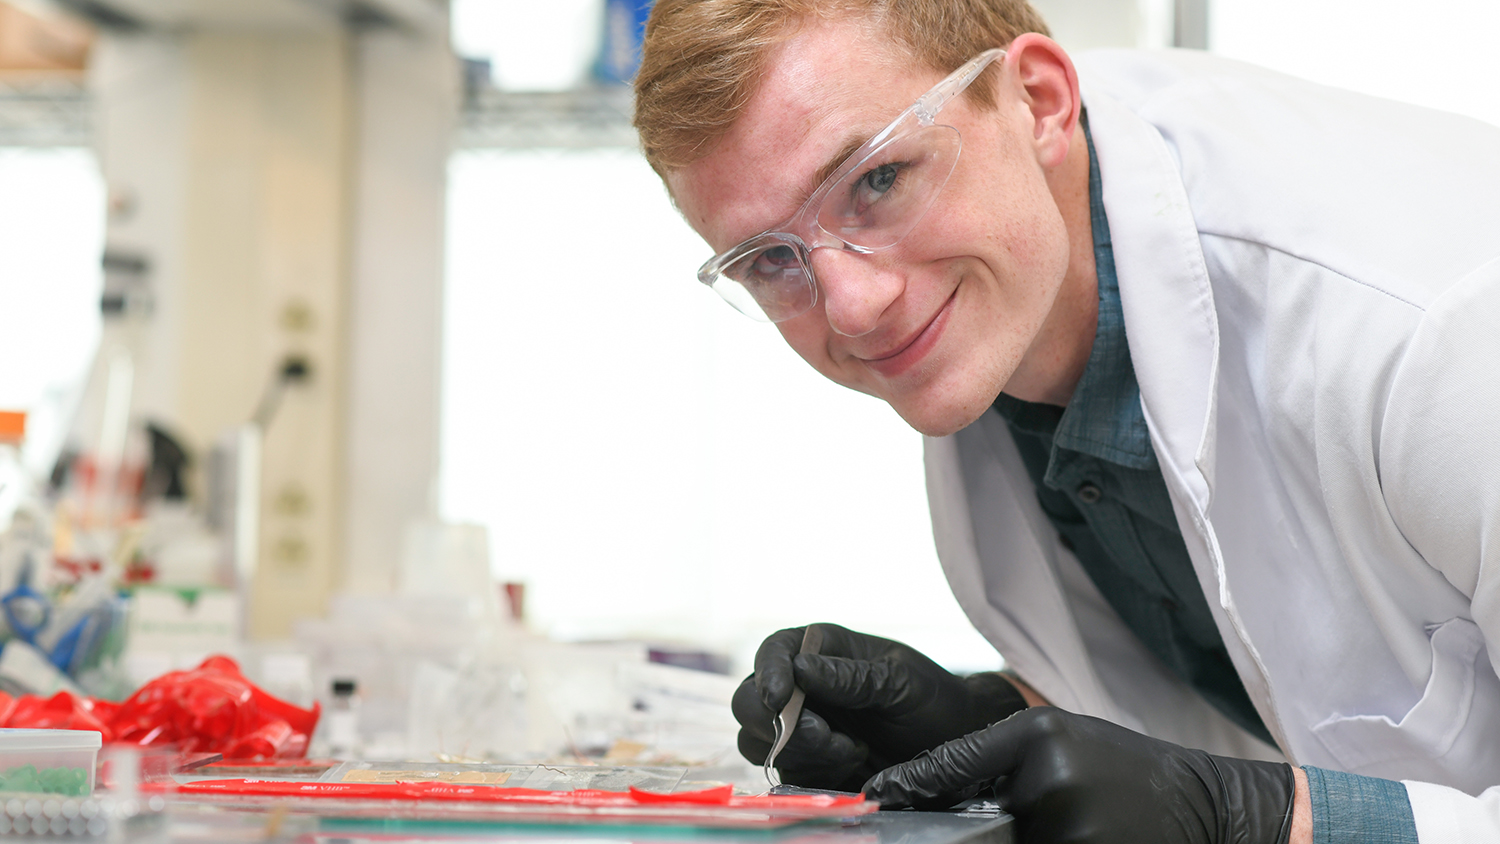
x: 768, y: 281
x: 886, y: 194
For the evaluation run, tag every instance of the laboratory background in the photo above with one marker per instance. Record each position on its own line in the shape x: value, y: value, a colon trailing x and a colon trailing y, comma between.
x: 355, y: 341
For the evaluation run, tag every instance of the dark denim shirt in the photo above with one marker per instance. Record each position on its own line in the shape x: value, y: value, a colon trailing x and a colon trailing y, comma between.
x: 1098, y: 481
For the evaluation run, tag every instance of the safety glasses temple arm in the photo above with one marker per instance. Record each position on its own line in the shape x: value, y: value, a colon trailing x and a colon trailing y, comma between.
x: 932, y: 102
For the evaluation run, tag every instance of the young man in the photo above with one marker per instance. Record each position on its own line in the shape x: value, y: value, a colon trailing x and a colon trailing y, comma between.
x: 1207, y: 362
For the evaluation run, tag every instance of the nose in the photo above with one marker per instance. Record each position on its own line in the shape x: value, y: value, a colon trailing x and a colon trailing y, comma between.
x: 856, y: 289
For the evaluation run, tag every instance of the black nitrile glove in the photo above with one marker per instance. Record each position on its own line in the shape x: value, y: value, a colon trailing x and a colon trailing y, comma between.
x: 1073, y: 778
x: 871, y: 703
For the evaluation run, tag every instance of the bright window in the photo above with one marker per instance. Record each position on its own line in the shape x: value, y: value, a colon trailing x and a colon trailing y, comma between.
x: 1439, y: 53
x: 51, y: 239
x: 649, y: 462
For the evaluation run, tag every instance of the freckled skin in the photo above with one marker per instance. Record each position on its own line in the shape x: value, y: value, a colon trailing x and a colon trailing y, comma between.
x: 994, y: 289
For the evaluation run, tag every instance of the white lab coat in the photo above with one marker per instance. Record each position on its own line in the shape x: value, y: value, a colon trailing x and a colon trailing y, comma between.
x: 1311, y: 289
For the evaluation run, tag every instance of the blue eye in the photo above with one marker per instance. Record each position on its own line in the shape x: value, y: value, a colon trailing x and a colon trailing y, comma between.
x: 875, y: 185
x: 879, y: 180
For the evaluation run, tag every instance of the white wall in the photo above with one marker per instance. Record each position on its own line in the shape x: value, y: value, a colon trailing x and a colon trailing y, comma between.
x: 141, y: 89
x: 1086, y: 24
x: 231, y: 151
x: 406, y: 101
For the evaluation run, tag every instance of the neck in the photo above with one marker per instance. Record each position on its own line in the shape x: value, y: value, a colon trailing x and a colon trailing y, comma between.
x: 1056, y: 359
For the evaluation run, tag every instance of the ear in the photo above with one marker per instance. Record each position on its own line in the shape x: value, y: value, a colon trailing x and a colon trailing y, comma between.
x: 1048, y: 84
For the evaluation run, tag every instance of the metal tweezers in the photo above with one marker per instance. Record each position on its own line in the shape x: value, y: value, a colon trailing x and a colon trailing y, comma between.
x: 812, y: 640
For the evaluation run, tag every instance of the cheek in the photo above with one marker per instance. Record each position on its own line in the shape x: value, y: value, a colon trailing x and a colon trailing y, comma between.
x: 808, y: 335
x: 1002, y: 205
x: 1025, y: 238
x: 1036, y: 239
x: 805, y: 338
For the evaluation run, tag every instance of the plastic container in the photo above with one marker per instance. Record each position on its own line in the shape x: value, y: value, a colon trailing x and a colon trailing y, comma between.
x: 48, y: 761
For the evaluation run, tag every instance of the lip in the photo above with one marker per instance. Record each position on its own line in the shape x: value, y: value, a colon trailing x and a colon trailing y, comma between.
x: 912, y: 351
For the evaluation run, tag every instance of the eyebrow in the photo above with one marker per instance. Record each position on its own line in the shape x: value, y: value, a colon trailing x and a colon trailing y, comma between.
x: 850, y: 147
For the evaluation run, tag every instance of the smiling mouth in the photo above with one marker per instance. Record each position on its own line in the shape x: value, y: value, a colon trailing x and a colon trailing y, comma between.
x: 909, y: 353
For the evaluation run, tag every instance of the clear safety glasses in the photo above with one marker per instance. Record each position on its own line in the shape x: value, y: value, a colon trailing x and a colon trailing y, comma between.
x: 872, y: 200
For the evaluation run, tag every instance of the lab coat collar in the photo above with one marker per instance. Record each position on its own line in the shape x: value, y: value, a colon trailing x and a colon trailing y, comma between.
x: 1163, y: 281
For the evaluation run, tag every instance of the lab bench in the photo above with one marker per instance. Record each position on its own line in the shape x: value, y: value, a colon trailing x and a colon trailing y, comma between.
x: 204, y: 825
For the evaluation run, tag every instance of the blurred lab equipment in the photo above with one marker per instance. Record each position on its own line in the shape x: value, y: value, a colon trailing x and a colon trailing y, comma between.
x: 169, y: 462
x: 343, y: 721
x: 80, y: 624
x: 54, y: 642
x: 440, y: 558
x: 13, y: 480
x: 12, y: 427
x: 235, y: 469
x: 620, y: 49
x: 381, y: 642
x: 24, y: 669
x: 26, y: 610
x: 177, y: 627
x: 287, y: 675
x: 530, y: 46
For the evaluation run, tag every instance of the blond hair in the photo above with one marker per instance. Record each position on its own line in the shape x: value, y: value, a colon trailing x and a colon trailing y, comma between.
x: 702, y: 59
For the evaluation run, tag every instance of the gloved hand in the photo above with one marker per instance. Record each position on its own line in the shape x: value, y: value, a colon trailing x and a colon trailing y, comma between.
x: 871, y: 703
x: 1070, y: 777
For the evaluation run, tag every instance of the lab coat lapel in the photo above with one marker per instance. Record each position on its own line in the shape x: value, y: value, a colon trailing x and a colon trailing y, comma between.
x: 1159, y: 262
x: 1173, y: 331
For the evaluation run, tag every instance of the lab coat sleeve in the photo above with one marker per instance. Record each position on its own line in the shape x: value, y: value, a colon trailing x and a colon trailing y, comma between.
x: 1439, y: 459
x: 1445, y: 814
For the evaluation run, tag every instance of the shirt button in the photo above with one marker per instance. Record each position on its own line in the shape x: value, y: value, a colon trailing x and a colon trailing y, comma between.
x: 1089, y: 494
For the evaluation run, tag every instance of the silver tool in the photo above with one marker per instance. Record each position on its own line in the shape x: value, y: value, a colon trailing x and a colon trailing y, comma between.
x: 812, y: 640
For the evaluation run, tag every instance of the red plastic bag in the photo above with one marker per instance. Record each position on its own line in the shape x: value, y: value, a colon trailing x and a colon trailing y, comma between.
x: 214, y: 709
x: 62, y: 711
x: 209, y: 709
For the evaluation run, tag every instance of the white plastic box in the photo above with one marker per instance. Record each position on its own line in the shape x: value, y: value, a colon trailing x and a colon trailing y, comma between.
x: 60, y: 761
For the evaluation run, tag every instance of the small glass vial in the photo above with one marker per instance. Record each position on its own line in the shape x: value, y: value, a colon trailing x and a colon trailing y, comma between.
x: 343, y: 720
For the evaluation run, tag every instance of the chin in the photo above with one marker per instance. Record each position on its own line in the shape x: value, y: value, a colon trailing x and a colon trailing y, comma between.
x: 946, y: 404
x: 938, y: 419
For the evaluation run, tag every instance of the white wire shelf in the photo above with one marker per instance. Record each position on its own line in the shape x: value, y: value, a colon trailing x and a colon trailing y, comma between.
x: 44, y: 111
x: 596, y: 117
x: 52, y: 112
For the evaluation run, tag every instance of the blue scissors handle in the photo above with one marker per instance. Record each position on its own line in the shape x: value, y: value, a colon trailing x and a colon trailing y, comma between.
x: 26, y: 610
